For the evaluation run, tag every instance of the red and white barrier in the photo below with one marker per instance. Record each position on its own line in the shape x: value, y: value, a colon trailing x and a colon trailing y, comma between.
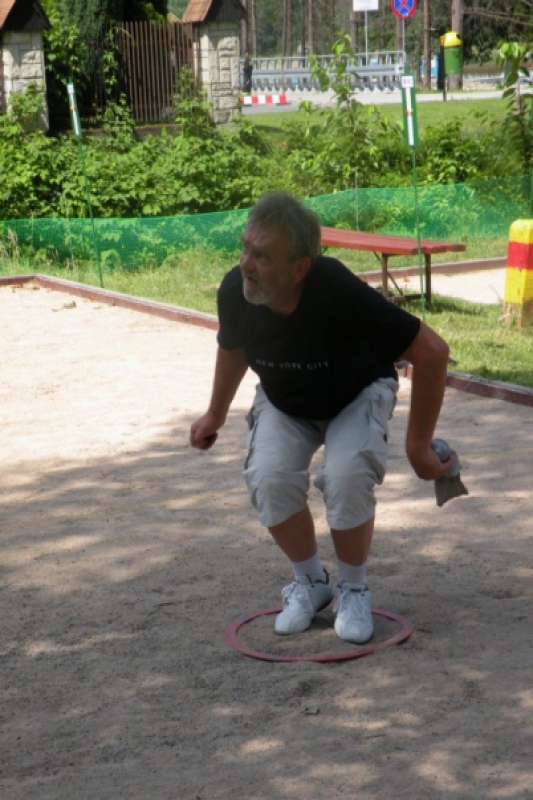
x: 264, y: 100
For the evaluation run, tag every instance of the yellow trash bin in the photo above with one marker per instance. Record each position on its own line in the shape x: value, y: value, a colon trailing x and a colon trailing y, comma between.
x: 452, y: 46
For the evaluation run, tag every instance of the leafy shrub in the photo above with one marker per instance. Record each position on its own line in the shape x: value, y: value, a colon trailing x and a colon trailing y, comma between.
x: 206, y: 168
x: 31, y: 179
x: 515, y: 58
x: 65, y: 50
x: 26, y: 109
x: 446, y: 156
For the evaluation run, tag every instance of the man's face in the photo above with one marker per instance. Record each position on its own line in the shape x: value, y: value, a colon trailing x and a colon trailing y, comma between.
x: 268, y: 271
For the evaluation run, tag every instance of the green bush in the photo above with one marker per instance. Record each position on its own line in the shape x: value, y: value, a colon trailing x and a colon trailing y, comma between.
x: 206, y: 168
x: 446, y: 156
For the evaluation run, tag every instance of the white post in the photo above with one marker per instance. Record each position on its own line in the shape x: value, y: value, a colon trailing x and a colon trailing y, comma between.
x: 365, y: 6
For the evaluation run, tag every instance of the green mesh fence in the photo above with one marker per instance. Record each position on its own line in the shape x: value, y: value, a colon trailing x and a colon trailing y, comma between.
x: 457, y: 212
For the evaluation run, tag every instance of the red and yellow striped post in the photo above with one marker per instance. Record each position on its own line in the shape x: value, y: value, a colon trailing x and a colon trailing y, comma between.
x: 518, y: 296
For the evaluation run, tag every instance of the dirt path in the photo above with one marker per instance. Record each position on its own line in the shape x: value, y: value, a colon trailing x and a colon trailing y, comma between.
x: 125, y: 554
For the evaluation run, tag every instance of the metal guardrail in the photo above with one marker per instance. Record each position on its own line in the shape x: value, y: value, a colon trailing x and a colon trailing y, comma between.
x: 498, y: 78
x: 377, y: 70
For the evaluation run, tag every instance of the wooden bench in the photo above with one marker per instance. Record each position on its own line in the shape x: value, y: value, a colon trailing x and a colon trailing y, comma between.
x: 384, y: 247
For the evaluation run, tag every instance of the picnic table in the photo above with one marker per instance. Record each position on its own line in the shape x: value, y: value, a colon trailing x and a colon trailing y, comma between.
x: 386, y: 246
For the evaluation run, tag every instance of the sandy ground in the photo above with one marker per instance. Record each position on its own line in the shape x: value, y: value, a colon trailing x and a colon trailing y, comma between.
x: 485, y: 286
x: 125, y: 554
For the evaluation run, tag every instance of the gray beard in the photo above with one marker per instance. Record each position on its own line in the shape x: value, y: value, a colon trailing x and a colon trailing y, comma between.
x: 258, y: 298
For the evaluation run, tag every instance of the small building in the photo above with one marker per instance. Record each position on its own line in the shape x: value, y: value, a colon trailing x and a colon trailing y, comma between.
x: 21, y: 49
x: 216, y: 25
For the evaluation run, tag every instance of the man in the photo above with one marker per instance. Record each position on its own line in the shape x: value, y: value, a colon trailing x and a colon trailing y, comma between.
x: 324, y: 345
x: 247, y: 71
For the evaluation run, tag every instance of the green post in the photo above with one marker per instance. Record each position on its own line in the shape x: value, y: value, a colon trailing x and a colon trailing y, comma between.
x: 76, y: 127
x: 410, y: 132
x: 410, y: 117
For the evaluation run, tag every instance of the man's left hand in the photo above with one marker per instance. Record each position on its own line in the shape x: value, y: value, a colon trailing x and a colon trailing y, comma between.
x: 427, y: 464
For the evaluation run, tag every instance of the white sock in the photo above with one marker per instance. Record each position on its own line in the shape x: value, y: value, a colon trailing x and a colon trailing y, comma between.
x: 347, y: 573
x: 310, y: 570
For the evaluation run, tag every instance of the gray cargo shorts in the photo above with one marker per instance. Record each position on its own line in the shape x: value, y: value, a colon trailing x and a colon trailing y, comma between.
x: 281, y: 447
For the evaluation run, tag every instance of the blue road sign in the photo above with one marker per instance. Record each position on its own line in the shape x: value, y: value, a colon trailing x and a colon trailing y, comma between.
x: 403, y: 8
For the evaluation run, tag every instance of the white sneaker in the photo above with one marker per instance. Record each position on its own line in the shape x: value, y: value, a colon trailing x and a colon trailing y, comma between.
x: 353, y: 622
x: 301, y: 601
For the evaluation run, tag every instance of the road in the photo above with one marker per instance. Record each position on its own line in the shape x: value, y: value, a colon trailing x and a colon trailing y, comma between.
x: 376, y: 97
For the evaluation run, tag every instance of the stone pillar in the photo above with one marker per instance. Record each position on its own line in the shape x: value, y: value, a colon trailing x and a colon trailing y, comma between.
x: 218, y: 68
x: 23, y: 64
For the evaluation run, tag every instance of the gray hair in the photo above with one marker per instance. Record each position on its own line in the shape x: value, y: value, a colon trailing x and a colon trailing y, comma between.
x: 283, y: 211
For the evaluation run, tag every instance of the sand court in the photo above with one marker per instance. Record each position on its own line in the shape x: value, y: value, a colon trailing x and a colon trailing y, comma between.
x: 124, y: 554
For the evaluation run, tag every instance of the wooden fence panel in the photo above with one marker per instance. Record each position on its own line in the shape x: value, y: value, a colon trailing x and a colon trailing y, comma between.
x: 152, y: 56
x: 149, y: 57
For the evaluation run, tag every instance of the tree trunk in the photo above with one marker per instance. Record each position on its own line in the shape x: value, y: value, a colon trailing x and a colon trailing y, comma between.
x: 426, y: 83
x: 354, y: 31
x: 253, y: 26
x: 286, y: 42
x: 303, y: 32
x: 244, y: 28
x: 310, y: 27
x: 399, y: 35
x: 456, y: 81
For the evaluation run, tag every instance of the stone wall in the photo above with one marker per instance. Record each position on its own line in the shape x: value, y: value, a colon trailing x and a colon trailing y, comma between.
x: 23, y: 63
x: 218, y: 68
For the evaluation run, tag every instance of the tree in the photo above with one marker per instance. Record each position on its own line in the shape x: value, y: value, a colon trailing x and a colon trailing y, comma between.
x: 515, y: 58
x: 310, y: 27
x: 140, y: 9
x: 482, y: 24
x: 253, y: 25
x: 74, y: 46
x: 90, y: 19
x: 491, y: 21
x: 177, y: 7
x: 427, y: 45
x: 286, y: 31
x: 245, y: 45
x: 456, y: 81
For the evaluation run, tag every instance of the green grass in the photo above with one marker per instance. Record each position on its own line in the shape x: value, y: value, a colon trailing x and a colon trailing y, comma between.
x: 476, y: 115
x: 191, y: 282
x: 482, y: 342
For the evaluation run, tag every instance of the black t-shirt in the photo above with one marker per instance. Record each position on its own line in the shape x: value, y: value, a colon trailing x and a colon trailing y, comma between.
x: 312, y: 363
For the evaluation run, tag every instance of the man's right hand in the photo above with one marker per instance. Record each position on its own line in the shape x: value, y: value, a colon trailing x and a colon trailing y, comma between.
x: 204, y: 432
x: 229, y: 371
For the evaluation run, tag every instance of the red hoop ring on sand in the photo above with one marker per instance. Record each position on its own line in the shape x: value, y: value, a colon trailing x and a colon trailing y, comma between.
x: 231, y: 637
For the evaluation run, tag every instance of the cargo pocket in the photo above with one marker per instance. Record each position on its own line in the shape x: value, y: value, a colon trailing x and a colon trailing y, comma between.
x: 382, y: 405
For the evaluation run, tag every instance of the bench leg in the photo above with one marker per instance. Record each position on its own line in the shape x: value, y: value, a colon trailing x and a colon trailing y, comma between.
x: 427, y: 264
x: 384, y: 275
